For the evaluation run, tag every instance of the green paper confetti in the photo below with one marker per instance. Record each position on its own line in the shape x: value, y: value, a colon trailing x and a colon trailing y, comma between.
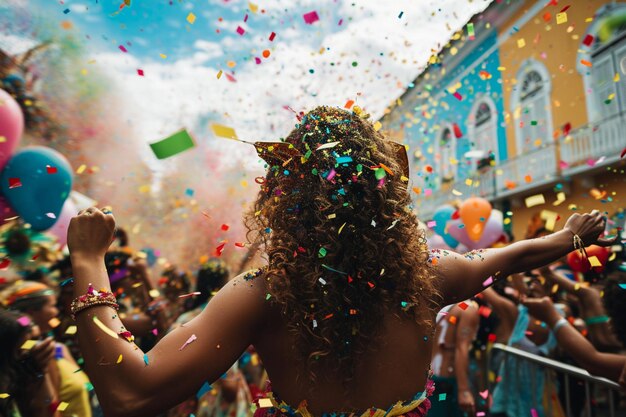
x: 173, y: 145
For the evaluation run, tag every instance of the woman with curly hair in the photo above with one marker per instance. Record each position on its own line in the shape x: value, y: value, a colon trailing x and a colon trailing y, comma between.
x: 343, y: 314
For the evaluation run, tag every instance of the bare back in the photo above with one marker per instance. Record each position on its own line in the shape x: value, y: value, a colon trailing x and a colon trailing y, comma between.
x: 395, y: 370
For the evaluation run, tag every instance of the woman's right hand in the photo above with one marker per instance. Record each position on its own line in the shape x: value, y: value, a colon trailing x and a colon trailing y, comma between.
x: 589, y: 227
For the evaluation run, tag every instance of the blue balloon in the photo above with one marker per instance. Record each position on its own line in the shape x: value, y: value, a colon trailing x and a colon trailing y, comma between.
x: 37, y: 181
x: 441, y: 217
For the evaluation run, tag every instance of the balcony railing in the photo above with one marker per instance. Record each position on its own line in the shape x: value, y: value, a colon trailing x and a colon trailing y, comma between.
x: 593, y: 144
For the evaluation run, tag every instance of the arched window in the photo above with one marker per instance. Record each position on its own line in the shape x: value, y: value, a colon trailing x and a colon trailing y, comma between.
x: 531, y: 107
x: 484, y: 135
x: 447, y: 155
x: 604, y: 48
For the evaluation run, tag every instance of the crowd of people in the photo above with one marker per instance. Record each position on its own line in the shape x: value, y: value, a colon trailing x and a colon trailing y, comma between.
x: 547, y: 310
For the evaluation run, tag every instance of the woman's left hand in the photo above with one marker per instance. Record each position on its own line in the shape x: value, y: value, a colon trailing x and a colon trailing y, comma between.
x: 90, y: 233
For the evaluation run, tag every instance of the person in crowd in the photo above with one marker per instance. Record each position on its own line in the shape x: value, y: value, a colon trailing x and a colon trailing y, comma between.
x: 521, y: 388
x: 38, y: 301
x: 608, y: 365
x: 25, y: 377
x: 349, y: 295
x: 456, y: 328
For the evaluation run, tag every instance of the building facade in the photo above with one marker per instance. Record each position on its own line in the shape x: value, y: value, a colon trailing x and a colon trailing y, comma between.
x: 527, y: 102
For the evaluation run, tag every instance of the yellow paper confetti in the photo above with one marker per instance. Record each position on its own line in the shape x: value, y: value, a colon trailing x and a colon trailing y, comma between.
x: 468, y: 181
x: 54, y: 322
x: 219, y: 74
x: 521, y: 43
x: 2, y: 139
x: 223, y: 131
x: 4, y: 395
x: 593, y: 261
x: 253, y: 7
x: 163, y: 56
x: 62, y: 406
x: 560, y: 197
x: 119, y: 359
x: 377, y: 125
x: 561, y: 18
x: 550, y: 217
x: 455, y: 192
x: 265, y: 403
x: 81, y: 169
x: 535, y: 200
x: 71, y: 330
x: 28, y: 345
x: 616, y: 77
x: 104, y: 328
x: 191, y: 18
x: 341, y: 228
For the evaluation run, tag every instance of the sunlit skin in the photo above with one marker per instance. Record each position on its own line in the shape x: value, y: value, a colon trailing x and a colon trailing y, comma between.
x: 239, y: 316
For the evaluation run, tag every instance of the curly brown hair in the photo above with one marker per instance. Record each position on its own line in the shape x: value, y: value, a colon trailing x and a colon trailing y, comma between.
x: 342, y: 243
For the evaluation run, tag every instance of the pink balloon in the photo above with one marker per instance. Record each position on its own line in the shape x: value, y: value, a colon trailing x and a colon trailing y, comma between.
x: 59, y: 229
x: 11, y: 126
x: 6, y: 211
x: 492, y: 231
x: 437, y: 242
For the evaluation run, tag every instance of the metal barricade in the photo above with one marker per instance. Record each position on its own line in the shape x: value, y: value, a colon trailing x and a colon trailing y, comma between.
x: 569, y: 371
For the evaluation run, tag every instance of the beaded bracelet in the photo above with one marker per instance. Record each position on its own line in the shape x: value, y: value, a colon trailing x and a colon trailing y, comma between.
x: 560, y: 323
x: 91, y: 299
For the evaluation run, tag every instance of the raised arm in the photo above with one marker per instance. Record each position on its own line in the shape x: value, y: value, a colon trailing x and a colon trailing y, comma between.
x: 130, y: 382
x: 463, y: 276
x: 466, y: 329
x: 607, y: 365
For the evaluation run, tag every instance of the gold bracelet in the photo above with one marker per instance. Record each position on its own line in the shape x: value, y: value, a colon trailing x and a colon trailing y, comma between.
x: 93, y: 298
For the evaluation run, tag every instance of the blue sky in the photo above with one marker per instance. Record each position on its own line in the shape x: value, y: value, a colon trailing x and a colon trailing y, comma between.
x: 368, y: 51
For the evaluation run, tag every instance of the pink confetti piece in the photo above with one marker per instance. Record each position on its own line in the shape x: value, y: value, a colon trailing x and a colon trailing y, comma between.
x: 140, y: 72
x: 331, y: 174
x: 563, y: 164
x: 272, y: 36
x: 431, y: 224
x: 122, y: 48
x: 484, y: 394
x: 480, y: 414
x: 428, y: 192
x: 310, y: 17
x: 488, y: 282
x: 155, y: 331
x: 240, y: 30
x: 340, y: 22
x: 24, y: 321
x: 191, y: 294
x: 458, y: 96
x: 191, y: 339
x: 245, y: 19
x: 533, y: 413
x: 257, y: 60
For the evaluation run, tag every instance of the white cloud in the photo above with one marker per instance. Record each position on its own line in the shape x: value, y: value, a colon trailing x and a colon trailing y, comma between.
x: 182, y: 93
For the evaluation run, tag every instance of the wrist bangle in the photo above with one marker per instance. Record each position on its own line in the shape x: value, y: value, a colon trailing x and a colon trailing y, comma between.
x: 560, y: 323
x: 91, y: 299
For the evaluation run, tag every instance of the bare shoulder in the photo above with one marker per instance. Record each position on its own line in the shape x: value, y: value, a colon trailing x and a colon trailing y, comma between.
x: 247, y: 293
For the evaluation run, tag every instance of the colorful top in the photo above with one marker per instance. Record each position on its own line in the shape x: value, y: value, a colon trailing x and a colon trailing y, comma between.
x: 416, y: 407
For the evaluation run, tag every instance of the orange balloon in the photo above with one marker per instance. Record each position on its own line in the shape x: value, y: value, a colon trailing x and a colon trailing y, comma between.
x: 474, y: 212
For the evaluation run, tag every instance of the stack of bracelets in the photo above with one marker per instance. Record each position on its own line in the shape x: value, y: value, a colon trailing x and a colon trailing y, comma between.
x: 91, y: 299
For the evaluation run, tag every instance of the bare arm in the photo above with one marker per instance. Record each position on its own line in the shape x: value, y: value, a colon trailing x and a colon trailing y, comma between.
x: 466, y: 329
x: 130, y: 382
x: 607, y: 365
x: 463, y: 276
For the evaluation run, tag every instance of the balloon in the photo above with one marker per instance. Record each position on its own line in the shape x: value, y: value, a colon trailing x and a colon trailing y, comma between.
x: 474, y: 212
x: 6, y: 211
x: 11, y: 126
x: 59, y: 229
x: 492, y: 232
x: 442, y: 215
x: 578, y: 263
x: 37, y: 181
x: 437, y: 242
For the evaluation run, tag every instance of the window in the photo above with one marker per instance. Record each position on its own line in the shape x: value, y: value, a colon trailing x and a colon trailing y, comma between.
x: 604, y: 47
x: 531, y: 107
x: 447, y: 154
x: 484, y: 138
x: 482, y: 133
